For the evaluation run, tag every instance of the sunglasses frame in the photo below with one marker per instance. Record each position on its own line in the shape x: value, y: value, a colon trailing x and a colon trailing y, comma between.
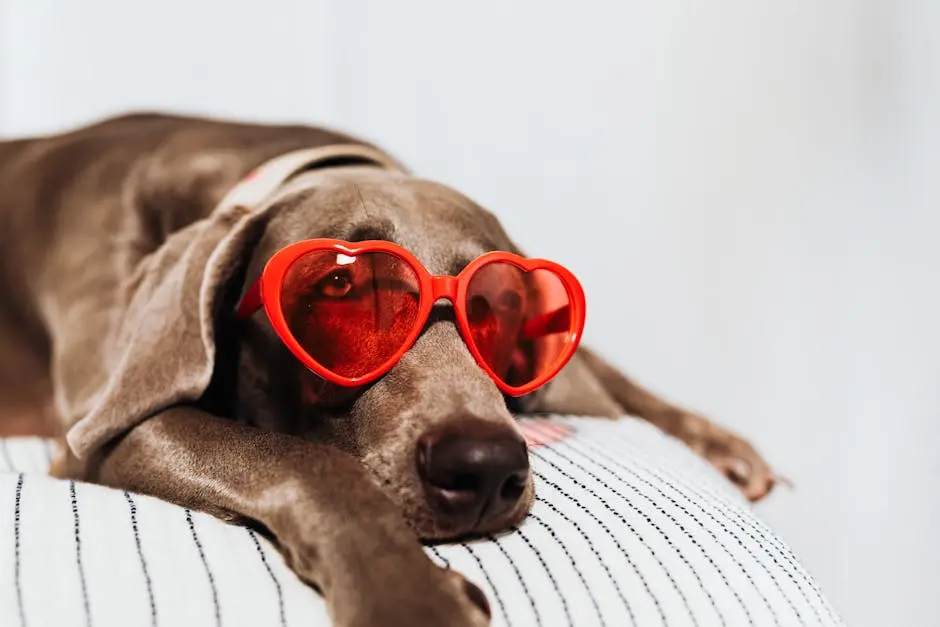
x: 266, y: 292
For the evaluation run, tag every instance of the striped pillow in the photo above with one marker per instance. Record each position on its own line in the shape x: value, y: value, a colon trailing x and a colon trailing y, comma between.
x: 629, y: 528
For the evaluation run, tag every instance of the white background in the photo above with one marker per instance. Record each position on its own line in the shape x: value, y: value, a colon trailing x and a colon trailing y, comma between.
x: 749, y: 192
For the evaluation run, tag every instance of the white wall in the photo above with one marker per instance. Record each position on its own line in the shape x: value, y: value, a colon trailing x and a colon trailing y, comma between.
x: 744, y: 188
x: 67, y: 62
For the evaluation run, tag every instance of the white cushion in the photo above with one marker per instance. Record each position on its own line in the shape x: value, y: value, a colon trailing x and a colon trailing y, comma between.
x: 629, y: 527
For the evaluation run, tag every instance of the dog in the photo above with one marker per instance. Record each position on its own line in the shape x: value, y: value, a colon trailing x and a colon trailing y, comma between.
x: 124, y: 256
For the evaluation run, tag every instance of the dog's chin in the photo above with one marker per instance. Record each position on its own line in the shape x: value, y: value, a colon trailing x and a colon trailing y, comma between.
x: 433, y: 525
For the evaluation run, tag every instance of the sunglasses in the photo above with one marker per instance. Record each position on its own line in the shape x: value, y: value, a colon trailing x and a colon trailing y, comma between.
x: 350, y: 311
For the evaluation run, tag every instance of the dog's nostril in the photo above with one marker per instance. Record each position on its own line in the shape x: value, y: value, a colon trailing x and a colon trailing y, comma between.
x: 514, y: 487
x: 465, y: 482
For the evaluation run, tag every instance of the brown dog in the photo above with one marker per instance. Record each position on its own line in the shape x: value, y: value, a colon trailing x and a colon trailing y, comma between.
x: 121, y: 270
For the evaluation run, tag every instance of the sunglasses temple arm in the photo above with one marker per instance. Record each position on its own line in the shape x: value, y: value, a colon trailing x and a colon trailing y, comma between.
x: 251, y: 301
x: 556, y: 321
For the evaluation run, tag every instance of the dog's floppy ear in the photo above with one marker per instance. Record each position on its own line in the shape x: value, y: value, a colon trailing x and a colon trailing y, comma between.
x: 161, y: 349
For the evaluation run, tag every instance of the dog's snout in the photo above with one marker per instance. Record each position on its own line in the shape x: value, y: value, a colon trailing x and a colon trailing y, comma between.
x: 473, y: 471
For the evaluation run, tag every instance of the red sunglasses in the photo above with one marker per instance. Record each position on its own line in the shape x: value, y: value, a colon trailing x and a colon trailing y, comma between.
x: 349, y: 311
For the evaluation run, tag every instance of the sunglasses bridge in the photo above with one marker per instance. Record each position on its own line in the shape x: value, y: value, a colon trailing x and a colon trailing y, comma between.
x: 443, y: 286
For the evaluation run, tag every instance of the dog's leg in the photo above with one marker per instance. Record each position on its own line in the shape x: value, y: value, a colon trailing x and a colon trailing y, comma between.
x: 591, y: 386
x: 335, y: 528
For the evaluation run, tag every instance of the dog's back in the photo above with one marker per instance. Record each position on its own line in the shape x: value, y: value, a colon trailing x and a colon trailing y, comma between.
x: 124, y: 183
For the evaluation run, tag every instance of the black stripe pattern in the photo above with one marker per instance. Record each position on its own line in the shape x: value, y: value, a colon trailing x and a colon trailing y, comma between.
x: 208, y: 569
x: 79, y: 564
x: 148, y: 582
x: 21, y: 614
x: 628, y: 528
x: 277, y: 584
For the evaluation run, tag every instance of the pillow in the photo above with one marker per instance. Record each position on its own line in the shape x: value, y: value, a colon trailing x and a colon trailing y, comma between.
x: 629, y: 528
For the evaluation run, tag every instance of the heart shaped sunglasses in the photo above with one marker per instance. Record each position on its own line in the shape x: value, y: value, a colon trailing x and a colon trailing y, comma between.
x: 350, y: 311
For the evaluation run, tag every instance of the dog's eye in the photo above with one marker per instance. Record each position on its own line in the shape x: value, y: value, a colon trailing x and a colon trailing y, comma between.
x: 478, y: 309
x: 510, y: 301
x: 336, y: 284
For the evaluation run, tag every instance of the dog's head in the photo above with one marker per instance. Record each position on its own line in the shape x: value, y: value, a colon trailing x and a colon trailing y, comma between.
x: 435, y: 431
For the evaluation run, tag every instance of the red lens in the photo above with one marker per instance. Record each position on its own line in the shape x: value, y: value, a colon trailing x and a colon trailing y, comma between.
x: 520, y: 321
x: 350, y: 313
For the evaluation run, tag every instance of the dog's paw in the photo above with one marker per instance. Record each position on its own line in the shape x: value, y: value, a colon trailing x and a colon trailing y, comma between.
x: 447, y: 600
x: 474, y: 607
x: 735, y: 458
x: 436, y: 597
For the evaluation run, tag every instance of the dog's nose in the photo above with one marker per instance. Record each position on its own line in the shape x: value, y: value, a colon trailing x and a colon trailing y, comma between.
x: 473, y: 470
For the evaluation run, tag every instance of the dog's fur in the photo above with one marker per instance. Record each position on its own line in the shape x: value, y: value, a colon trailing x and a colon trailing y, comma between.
x: 269, y: 444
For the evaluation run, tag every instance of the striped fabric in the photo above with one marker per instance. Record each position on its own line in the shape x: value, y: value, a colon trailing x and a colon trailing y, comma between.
x: 629, y: 528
